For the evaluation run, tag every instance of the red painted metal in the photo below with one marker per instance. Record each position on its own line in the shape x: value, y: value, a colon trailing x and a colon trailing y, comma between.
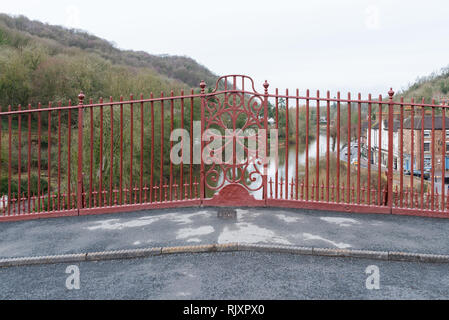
x: 181, y: 167
x: 317, y: 153
x: 348, y: 149
x: 379, y: 159
x: 368, y: 198
x: 100, y: 183
x: 29, y: 157
x: 307, y: 145
x: 244, y: 184
x: 171, y: 144
x: 111, y: 147
x: 390, y: 149
x: 161, y: 175
x: 443, y: 157
x: 338, y: 147
x: 433, y: 158
x: 91, y: 154
x: 296, y: 143
x: 412, y: 151
x: 359, y: 132
x: 121, y: 153
x: 328, y: 120
x: 277, y: 129
x: 80, y: 190
x: 48, y: 160
x: 131, y: 140
x: 286, y: 144
x: 19, y: 157
x: 141, y: 151
x: 422, y: 155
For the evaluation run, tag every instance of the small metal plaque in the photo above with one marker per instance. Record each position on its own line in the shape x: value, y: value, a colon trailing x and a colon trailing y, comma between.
x: 227, y: 213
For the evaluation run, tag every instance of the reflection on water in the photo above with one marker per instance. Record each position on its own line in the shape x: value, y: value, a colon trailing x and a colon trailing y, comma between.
x: 281, y: 167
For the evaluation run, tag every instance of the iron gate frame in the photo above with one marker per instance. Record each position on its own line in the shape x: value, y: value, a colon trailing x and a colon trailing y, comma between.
x: 386, y: 201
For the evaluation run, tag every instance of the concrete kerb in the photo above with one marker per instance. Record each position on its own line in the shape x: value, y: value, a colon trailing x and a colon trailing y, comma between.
x: 230, y: 247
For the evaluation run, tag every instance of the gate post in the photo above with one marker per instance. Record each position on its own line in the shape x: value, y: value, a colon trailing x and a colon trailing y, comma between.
x: 265, y: 164
x: 390, y: 150
x: 202, y: 181
x: 80, y: 152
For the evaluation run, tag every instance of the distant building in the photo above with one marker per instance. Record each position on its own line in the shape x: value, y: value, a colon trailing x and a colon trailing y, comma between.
x: 422, y: 149
x: 425, y: 149
x: 383, y: 143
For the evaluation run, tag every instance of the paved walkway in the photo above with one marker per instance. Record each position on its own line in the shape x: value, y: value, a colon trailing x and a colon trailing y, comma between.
x: 241, y: 275
x: 193, y: 226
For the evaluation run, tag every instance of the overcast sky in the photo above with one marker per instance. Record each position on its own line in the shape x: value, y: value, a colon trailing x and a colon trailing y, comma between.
x: 364, y: 46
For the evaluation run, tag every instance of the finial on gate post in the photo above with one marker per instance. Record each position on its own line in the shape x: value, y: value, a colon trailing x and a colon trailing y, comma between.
x: 81, y: 97
x: 391, y: 93
x: 203, y: 86
x: 80, y: 197
x: 389, y: 172
x: 266, y: 85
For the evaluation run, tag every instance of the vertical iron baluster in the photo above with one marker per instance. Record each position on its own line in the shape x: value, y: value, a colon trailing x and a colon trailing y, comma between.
x: 91, y: 160
x: 100, y: 189
x: 80, y: 188
x: 112, y: 155
x: 131, y: 147
x: 69, y: 160
x: 379, y: 159
x: 390, y: 149
x: 443, y: 158
x: 359, y: 133
x: 39, y: 158
x: 181, y: 169
x: 338, y: 147
x: 307, y: 146
x: 59, y: 155
x: 297, y: 143
x: 161, y: 177
x: 171, y: 145
x: 412, y: 142
x: 422, y: 153
x: 277, y: 130
x: 286, y: 144
x: 327, y: 145
x: 152, y: 150
x: 401, y: 175
x: 19, y: 164
x: 317, y: 155
x: 141, y: 150
x: 48, y: 162
x: 348, y: 172
x: 433, y: 157
x: 9, y: 159
x: 368, y: 195
x: 121, y: 153
x: 191, y: 146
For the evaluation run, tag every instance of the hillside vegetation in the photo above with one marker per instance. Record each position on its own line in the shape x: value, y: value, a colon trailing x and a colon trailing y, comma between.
x: 44, y: 63
x: 435, y: 85
x: 41, y: 63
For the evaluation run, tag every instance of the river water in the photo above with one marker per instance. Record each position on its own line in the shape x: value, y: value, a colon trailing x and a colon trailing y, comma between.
x: 281, y: 167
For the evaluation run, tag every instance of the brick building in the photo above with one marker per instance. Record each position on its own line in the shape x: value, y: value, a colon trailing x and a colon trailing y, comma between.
x: 419, y: 149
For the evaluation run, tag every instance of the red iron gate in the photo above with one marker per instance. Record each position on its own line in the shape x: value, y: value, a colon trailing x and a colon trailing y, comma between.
x: 319, y: 152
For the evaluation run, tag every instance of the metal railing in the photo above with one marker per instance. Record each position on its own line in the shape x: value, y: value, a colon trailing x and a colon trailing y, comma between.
x: 320, y: 152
